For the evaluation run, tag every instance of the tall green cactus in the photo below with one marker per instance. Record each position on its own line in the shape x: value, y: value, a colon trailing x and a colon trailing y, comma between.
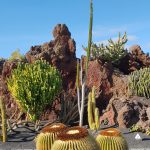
x: 139, y: 82
x: 80, y: 76
x: 3, y: 117
x: 34, y: 86
x: 93, y: 111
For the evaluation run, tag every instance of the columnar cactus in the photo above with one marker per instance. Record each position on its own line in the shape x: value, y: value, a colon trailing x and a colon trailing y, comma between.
x: 80, y: 77
x: 75, y: 138
x: 111, y: 139
x: 48, y: 135
x: 93, y: 111
x: 139, y: 82
x: 3, y: 118
x: 34, y: 86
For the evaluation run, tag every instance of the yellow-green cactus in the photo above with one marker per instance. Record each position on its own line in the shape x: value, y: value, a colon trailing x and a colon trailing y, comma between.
x: 93, y: 111
x: 75, y: 138
x: 139, y: 82
x: 48, y: 135
x: 3, y: 117
x: 111, y: 139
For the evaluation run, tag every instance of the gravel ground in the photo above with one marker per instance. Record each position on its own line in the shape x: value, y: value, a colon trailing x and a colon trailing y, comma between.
x: 23, y: 139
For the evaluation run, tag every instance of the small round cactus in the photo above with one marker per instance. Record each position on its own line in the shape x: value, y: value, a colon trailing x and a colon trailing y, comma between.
x: 75, y: 138
x: 48, y: 135
x: 111, y: 139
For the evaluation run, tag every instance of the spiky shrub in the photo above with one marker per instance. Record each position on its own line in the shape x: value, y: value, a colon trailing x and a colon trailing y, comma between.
x: 3, y: 118
x: 139, y: 82
x: 111, y: 139
x: 112, y: 52
x: 75, y: 138
x: 34, y: 86
x: 93, y: 111
x: 48, y: 135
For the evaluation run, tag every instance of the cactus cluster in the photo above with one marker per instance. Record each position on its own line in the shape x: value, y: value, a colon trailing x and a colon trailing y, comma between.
x: 3, y: 119
x: 139, y: 82
x: 75, y: 138
x: 34, y: 86
x: 48, y: 135
x: 111, y: 139
x: 93, y: 111
x: 112, y: 52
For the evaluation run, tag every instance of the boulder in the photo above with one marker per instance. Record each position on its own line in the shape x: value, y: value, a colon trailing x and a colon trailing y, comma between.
x: 60, y: 53
x: 128, y: 111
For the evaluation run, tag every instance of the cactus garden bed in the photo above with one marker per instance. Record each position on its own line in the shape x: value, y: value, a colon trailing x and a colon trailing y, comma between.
x: 23, y: 138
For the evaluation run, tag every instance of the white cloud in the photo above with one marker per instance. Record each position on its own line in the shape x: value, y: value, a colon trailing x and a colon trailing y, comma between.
x: 108, y: 31
x: 130, y: 38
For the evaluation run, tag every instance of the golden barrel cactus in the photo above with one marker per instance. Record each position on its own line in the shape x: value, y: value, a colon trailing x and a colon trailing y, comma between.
x: 48, y: 135
x: 111, y: 139
x: 75, y: 138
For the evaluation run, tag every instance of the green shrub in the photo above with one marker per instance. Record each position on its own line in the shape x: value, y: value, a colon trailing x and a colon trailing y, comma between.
x: 112, y: 52
x: 139, y: 82
x: 34, y: 86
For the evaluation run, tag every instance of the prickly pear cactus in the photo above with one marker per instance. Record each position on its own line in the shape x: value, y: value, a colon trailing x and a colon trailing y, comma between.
x: 34, y: 86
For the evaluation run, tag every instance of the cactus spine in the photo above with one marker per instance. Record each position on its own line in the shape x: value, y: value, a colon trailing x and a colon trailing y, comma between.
x: 46, y: 138
x: 111, y: 139
x: 93, y: 111
x: 75, y: 138
x: 3, y: 117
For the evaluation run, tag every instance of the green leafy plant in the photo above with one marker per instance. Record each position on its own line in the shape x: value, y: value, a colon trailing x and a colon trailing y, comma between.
x: 3, y: 119
x: 34, y: 86
x: 93, y: 111
x: 16, y: 55
x: 111, y: 139
x: 112, y: 52
x: 139, y: 82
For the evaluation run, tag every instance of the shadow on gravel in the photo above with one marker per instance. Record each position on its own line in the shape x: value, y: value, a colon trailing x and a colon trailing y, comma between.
x: 146, y: 139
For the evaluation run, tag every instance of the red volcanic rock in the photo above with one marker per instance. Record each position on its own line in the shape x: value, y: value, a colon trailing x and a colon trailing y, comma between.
x: 138, y: 59
x: 10, y: 104
x: 60, y: 53
x: 128, y: 111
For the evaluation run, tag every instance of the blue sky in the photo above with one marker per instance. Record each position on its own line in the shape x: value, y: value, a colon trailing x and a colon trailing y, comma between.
x: 30, y: 22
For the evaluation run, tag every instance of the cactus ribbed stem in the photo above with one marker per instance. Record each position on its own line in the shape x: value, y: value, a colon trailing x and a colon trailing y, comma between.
x: 93, y: 111
x: 4, y: 122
